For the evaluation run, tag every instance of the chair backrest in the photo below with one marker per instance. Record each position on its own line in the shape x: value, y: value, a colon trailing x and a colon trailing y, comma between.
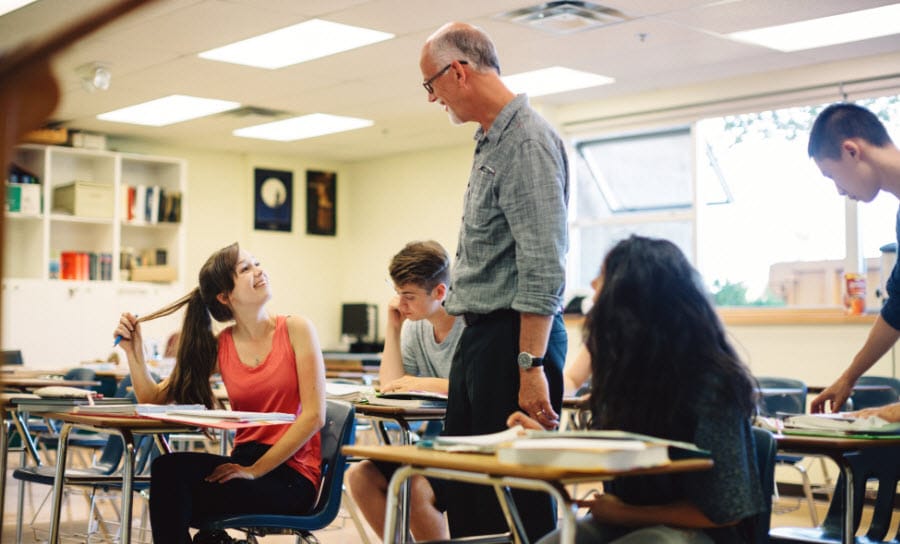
x: 12, y: 357
x: 868, y: 399
x: 879, y: 464
x: 785, y: 395
x: 337, y: 432
x: 765, y: 463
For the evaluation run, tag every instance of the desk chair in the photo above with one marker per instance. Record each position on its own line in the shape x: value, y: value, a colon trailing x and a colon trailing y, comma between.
x: 765, y: 463
x: 869, y: 399
x: 879, y: 464
x: 336, y: 433
x: 791, y: 400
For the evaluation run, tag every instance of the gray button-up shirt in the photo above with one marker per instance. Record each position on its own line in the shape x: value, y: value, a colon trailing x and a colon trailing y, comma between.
x: 513, y: 239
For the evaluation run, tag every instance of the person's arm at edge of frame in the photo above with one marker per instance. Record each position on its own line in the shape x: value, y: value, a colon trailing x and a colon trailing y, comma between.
x: 391, y: 366
x: 311, y: 374
x: 146, y: 390
x: 577, y: 371
x: 881, y: 337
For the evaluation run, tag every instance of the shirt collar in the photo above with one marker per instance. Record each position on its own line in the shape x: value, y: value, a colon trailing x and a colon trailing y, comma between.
x: 503, y: 119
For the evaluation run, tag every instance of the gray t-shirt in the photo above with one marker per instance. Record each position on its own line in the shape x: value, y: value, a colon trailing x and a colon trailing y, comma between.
x: 424, y: 357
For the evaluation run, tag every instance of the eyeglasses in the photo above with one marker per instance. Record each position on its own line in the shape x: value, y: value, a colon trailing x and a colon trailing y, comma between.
x: 427, y: 84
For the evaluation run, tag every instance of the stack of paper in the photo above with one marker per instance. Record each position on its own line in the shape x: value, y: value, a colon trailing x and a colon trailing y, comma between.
x: 347, y: 391
x: 479, y: 443
x: 841, y: 423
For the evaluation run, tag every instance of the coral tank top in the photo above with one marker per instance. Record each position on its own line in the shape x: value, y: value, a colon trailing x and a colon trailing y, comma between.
x: 272, y: 386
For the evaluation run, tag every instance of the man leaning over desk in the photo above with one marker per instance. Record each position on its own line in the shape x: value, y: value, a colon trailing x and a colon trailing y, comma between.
x: 851, y: 146
x: 508, y: 278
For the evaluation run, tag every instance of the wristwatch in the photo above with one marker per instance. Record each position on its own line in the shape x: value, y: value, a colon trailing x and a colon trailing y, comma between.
x: 527, y: 360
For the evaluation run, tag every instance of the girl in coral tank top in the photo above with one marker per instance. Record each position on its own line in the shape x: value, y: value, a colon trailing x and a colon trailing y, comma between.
x: 269, y: 364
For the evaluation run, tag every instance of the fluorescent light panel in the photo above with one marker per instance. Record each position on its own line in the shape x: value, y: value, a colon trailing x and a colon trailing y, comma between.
x: 305, y: 126
x: 847, y: 27
x: 168, y: 110
x: 555, y: 79
x: 294, y: 44
x: 7, y: 6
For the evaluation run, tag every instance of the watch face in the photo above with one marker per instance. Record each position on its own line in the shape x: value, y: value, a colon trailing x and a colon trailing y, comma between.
x: 525, y: 360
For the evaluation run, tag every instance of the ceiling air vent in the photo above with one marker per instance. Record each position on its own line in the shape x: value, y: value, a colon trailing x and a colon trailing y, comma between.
x: 565, y: 16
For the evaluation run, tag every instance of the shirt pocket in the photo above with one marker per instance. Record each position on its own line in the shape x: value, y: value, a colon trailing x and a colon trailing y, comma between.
x: 481, y: 201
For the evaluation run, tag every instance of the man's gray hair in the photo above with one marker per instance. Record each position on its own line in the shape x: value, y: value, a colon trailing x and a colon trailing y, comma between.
x: 465, y: 43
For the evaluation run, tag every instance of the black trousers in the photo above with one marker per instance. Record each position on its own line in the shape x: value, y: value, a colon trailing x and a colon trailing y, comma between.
x: 180, y: 498
x: 484, y: 391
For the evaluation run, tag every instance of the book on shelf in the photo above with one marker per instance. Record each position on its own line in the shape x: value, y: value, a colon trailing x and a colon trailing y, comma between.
x: 840, y: 423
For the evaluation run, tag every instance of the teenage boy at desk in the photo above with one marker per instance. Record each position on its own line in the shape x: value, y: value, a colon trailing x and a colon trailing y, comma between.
x: 852, y: 147
x: 419, y: 344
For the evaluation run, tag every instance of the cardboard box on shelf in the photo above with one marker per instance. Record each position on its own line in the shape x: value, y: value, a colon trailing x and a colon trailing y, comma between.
x: 84, y: 199
x: 158, y: 273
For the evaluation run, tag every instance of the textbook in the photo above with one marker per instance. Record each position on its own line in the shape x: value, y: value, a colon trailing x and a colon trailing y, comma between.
x: 230, y: 415
x: 132, y: 409
x: 577, y: 453
x: 409, y: 399
x: 841, y: 422
x: 477, y: 443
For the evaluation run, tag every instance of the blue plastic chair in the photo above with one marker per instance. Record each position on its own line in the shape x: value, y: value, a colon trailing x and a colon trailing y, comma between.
x: 879, y: 464
x: 765, y: 463
x: 336, y: 433
x: 869, y: 399
x: 790, y: 400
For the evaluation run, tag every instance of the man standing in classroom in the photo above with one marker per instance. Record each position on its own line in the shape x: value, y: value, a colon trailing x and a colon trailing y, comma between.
x: 508, y: 278
x: 852, y: 147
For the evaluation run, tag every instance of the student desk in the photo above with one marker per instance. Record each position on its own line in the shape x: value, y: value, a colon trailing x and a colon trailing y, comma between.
x: 837, y: 448
x: 24, y: 384
x: 399, y: 415
x: 484, y: 469
x: 126, y: 427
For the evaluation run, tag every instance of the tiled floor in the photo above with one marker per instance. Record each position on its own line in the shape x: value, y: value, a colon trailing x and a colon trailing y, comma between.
x: 342, y: 531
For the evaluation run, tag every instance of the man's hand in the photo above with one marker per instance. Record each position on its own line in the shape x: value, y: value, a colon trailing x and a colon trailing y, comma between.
x: 837, y: 394
x: 534, y: 397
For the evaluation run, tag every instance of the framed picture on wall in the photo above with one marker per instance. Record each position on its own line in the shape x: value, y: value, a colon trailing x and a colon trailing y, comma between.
x: 274, y: 197
x: 321, y: 204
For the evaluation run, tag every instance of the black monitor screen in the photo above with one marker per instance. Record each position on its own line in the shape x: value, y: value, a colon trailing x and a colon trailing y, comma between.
x: 355, y: 320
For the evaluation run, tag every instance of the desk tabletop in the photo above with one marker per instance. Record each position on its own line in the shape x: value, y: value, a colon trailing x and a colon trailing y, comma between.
x: 488, y: 464
x: 816, y: 389
x: 106, y: 421
x: 412, y: 414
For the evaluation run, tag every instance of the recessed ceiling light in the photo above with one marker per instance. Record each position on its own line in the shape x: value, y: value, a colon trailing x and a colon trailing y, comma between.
x: 824, y: 31
x: 305, y: 126
x: 168, y: 110
x: 294, y: 44
x: 7, y: 6
x: 555, y: 79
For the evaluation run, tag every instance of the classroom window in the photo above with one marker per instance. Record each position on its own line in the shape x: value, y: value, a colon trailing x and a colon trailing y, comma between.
x: 740, y: 197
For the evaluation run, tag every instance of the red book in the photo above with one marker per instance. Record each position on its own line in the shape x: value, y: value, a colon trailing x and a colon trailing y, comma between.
x: 68, y: 265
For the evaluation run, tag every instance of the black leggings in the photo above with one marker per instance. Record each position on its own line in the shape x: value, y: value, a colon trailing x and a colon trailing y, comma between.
x: 179, y: 496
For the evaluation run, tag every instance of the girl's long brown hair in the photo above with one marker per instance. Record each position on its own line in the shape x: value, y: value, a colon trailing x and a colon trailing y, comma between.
x: 198, y: 347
